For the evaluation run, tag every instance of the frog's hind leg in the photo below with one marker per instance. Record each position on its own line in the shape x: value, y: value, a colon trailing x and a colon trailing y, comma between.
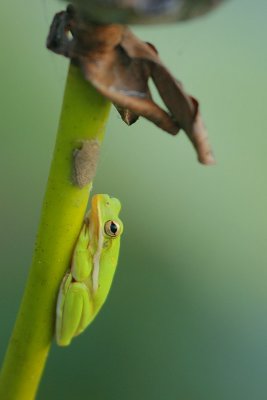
x: 75, y: 312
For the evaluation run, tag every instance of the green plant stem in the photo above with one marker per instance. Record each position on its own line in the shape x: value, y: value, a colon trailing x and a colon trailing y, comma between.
x: 83, y: 117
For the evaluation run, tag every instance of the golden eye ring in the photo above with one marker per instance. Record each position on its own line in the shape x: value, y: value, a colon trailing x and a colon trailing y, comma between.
x: 112, y: 228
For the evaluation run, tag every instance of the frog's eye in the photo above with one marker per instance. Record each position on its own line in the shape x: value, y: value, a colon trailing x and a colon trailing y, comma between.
x: 112, y: 228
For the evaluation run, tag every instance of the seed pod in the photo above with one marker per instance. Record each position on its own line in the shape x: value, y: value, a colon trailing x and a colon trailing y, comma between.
x: 143, y: 11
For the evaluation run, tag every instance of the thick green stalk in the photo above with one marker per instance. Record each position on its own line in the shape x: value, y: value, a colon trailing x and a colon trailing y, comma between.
x: 83, y: 117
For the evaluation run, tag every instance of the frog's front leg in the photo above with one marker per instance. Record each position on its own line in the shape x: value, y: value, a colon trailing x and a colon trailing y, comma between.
x: 82, y: 262
x: 74, y: 310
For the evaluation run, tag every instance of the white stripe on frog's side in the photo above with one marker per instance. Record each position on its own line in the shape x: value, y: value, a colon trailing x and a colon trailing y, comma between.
x: 97, y: 255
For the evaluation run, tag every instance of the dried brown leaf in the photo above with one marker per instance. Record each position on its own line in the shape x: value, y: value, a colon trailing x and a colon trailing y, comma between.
x: 120, y: 65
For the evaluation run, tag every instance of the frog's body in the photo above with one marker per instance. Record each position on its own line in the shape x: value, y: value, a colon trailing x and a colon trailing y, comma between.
x: 85, y: 287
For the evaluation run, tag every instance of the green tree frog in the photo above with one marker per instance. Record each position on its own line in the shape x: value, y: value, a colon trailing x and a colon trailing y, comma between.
x: 86, y: 285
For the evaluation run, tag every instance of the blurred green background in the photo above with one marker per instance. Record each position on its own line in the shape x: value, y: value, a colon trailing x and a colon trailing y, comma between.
x: 187, y: 315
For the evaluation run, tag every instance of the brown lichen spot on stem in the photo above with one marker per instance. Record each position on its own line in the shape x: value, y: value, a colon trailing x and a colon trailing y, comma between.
x: 85, y: 162
x: 120, y: 66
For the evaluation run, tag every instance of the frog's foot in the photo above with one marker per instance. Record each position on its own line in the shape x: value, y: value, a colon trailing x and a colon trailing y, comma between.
x: 74, y: 310
x: 83, y: 239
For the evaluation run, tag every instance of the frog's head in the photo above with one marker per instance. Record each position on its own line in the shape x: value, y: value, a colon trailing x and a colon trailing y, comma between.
x: 105, y: 213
